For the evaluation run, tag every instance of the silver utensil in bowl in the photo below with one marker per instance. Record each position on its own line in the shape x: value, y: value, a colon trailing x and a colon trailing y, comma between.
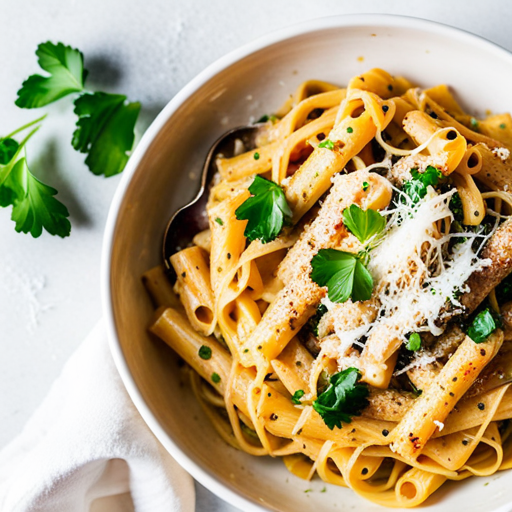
x: 191, y: 218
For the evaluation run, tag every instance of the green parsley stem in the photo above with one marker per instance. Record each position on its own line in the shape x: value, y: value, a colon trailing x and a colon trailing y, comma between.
x: 24, y: 127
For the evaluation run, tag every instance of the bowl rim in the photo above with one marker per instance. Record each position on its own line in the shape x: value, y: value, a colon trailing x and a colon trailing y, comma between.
x: 274, y: 37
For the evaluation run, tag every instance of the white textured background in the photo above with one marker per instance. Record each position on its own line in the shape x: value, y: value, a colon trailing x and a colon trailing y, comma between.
x: 147, y: 49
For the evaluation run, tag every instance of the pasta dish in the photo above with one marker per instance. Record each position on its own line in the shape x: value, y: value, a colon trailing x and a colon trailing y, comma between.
x: 349, y: 308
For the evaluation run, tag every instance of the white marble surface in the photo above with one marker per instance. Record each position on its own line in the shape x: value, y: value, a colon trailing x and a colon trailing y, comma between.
x: 147, y: 49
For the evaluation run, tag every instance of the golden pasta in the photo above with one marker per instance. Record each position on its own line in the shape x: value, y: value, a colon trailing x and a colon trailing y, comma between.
x: 348, y: 308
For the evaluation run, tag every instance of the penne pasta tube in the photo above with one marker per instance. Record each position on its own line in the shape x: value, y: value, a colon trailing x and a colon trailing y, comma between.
x: 362, y: 113
x: 193, y: 287
x: 159, y: 287
x: 435, y: 403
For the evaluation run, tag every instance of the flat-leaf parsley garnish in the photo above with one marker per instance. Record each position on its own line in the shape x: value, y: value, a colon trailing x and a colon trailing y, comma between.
x: 416, y: 188
x: 344, y: 274
x: 482, y: 326
x: 65, y: 66
x: 345, y: 397
x: 364, y: 224
x: 266, y: 210
x: 105, y: 131
x: 34, y: 206
x: 106, y: 122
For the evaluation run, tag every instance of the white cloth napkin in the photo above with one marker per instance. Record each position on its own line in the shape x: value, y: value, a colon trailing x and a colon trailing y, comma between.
x: 87, y: 449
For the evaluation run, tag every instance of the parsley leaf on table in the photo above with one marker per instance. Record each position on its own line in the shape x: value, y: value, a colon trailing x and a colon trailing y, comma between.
x: 344, y: 398
x: 416, y: 188
x: 482, y: 326
x: 34, y: 206
x: 364, y: 224
x: 266, y: 210
x: 65, y: 66
x: 344, y: 275
x: 105, y: 130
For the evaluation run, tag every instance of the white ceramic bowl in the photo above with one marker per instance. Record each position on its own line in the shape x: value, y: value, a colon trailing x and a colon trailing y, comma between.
x: 249, y: 82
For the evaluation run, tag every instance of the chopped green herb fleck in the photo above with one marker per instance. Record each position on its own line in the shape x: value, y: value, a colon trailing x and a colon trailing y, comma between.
x: 219, y: 221
x: 327, y: 144
x: 414, y: 342
x: 350, y: 129
x: 474, y: 123
x: 503, y: 126
x: 215, y: 377
x: 366, y: 185
x: 205, y: 352
x: 256, y: 156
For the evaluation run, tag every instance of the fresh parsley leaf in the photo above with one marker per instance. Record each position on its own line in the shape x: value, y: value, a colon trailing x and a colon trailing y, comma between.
x: 266, y: 210
x: 105, y: 130
x: 315, y: 319
x: 364, y: 224
x: 327, y: 144
x: 8, y: 148
x: 344, y: 398
x: 344, y: 275
x: 414, y: 342
x: 34, y: 206
x: 297, y: 396
x: 205, y: 352
x: 65, y: 66
x: 482, y: 326
x: 416, y: 188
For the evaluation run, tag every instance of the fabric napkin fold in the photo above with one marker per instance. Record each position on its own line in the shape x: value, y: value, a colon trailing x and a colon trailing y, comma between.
x: 87, y: 449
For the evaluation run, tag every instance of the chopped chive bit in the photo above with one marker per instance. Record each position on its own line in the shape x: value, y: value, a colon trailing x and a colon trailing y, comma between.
x: 219, y: 221
x: 297, y: 396
x: 350, y: 129
x: 256, y: 156
x: 327, y: 144
x: 205, y: 352
x: 215, y: 377
x: 473, y: 122
x: 385, y: 108
x: 503, y: 126
x: 366, y: 185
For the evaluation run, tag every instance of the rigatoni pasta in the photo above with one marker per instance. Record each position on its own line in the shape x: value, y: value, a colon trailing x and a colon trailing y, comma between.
x: 348, y: 308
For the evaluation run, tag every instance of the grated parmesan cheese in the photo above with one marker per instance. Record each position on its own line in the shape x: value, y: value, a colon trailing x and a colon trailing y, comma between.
x: 414, y: 276
x: 502, y: 153
x: 439, y: 425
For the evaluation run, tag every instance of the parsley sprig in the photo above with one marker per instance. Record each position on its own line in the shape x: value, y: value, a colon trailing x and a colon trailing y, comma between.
x: 104, y: 131
x: 34, y: 206
x: 106, y: 122
x: 266, y: 210
x: 346, y: 274
x: 364, y: 224
x: 416, y: 188
x: 345, y: 397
